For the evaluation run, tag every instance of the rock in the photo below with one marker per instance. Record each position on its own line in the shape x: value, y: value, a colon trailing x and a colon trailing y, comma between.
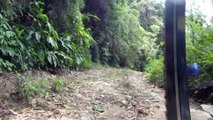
x: 102, y: 96
x: 157, y: 106
x: 128, y: 97
x: 40, y: 102
x: 124, y: 102
x: 52, y: 107
x: 203, y: 92
x: 13, y: 112
x: 147, y: 101
x: 101, y: 118
x: 44, y: 104
x: 208, y: 108
x: 85, y: 116
x: 130, y: 114
x: 156, y: 96
x: 1, y: 110
x: 134, y: 103
x: 96, y: 102
x: 200, y: 115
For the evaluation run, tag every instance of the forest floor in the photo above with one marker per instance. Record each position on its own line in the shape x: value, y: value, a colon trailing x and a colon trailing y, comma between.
x: 100, y: 93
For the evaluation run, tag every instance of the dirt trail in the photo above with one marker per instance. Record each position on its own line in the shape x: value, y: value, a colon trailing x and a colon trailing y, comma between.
x: 101, y: 93
x: 121, y: 95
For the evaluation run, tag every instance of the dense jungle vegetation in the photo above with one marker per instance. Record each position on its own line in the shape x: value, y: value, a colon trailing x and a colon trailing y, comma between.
x: 71, y: 34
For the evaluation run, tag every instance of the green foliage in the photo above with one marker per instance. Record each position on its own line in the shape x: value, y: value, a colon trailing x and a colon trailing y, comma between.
x: 36, y: 43
x: 154, y: 71
x: 6, y: 6
x: 151, y: 16
x: 29, y: 89
x: 8, y: 43
x: 45, y: 45
x: 200, y: 48
x: 58, y: 85
x: 13, y: 9
x: 67, y: 18
x: 122, y: 40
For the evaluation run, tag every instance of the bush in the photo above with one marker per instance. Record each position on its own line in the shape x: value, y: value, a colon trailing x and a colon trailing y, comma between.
x: 28, y: 89
x: 154, y: 71
x: 58, y: 85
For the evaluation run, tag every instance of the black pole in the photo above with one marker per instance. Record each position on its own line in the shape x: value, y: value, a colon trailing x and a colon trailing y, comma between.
x: 175, y: 61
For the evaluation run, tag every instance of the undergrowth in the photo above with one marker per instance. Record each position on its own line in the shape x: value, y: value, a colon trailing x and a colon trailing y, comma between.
x: 154, y: 71
x: 58, y: 85
x: 28, y: 89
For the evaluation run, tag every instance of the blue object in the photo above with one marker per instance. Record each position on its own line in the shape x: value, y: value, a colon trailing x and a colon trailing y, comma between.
x: 193, y: 69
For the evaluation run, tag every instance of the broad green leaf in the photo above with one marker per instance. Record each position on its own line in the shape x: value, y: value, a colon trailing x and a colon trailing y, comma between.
x: 10, y: 34
x: 43, y: 17
x: 49, y: 58
x: 20, y: 33
x: 52, y: 42
x: 37, y: 36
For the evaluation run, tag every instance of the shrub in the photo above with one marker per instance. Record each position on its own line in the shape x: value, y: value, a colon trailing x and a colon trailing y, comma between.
x: 28, y: 89
x: 154, y: 71
x: 58, y: 85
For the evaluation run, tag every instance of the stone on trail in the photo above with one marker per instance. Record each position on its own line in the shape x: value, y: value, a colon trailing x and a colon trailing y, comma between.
x: 200, y: 115
x: 85, y: 116
x: 207, y: 108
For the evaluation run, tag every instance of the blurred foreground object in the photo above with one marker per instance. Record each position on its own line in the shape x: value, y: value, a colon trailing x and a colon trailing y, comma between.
x: 193, y: 69
x: 177, y: 102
